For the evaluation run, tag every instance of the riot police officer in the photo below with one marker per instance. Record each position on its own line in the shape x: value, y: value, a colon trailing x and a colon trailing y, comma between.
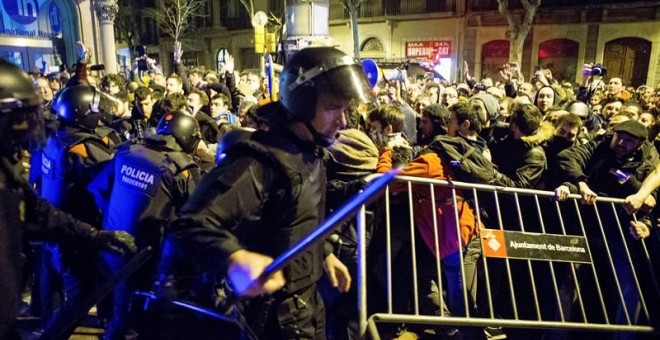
x: 22, y: 211
x: 267, y: 192
x: 139, y: 191
x: 70, y: 159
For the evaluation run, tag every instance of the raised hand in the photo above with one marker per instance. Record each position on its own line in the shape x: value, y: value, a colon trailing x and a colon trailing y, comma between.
x: 178, y: 52
x: 506, y: 73
x: 81, y: 51
x: 466, y: 70
x: 229, y: 64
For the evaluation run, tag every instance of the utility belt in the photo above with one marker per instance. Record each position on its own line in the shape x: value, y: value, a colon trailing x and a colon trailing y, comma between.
x: 280, y: 310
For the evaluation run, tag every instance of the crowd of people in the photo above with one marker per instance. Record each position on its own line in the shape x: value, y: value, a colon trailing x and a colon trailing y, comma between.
x: 218, y: 178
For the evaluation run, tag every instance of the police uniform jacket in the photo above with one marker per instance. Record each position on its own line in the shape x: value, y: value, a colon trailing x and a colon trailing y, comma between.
x: 69, y: 161
x: 266, y: 193
x: 22, y: 211
x: 140, y: 190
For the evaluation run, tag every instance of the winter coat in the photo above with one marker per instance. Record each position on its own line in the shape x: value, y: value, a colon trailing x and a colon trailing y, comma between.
x: 596, y: 164
x: 522, y: 162
x: 429, y: 165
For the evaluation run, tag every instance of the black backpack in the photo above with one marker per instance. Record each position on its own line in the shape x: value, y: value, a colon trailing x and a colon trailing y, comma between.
x: 468, y: 163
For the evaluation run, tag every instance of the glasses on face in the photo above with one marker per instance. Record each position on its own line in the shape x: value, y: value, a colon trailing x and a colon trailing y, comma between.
x: 446, y: 95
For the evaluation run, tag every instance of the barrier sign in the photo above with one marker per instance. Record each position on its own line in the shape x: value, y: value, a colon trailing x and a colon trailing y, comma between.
x: 533, y: 246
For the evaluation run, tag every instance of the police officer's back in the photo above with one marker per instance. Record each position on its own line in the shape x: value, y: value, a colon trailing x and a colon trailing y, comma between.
x: 139, y: 191
x: 70, y: 159
x: 75, y: 152
x: 146, y: 183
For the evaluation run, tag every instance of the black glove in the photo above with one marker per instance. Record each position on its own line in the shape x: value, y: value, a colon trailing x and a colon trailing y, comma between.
x: 119, y: 242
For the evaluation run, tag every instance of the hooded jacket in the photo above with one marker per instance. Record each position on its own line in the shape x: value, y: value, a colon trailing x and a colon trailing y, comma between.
x: 522, y: 162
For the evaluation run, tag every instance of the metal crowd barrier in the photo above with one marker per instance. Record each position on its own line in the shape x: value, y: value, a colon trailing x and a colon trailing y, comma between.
x: 543, y: 264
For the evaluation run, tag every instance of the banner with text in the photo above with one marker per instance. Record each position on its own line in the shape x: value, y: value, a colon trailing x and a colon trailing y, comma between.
x: 533, y: 246
x: 428, y: 49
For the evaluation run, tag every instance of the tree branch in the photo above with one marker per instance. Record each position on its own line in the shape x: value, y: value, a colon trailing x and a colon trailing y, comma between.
x: 350, y: 4
x: 530, y: 10
x: 175, y: 17
x: 503, y: 8
x: 249, y: 7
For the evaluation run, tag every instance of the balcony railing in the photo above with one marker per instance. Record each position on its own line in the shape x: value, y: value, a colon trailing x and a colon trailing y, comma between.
x: 491, y: 5
x: 377, y: 8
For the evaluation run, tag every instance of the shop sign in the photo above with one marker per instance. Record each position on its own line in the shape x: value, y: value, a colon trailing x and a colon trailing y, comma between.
x: 27, y: 33
x: 428, y: 49
x: 22, y: 11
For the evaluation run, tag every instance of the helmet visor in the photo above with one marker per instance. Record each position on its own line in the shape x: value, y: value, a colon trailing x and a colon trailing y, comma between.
x: 349, y: 82
x: 343, y: 76
x: 27, y: 127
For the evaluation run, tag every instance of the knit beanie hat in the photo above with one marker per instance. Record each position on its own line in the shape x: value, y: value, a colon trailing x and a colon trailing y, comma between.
x: 490, y: 103
x: 353, y: 150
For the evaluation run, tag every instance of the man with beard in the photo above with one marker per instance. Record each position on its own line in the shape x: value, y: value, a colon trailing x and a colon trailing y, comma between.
x: 433, y: 122
x: 592, y: 168
x: 614, y: 167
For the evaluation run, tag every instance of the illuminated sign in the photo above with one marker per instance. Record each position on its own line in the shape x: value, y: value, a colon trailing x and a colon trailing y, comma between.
x: 27, y: 33
x: 54, y: 18
x: 22, y: 11
x: 428, y: 49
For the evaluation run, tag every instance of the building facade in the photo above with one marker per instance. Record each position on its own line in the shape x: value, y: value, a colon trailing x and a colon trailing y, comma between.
x: 39, y: 35
x: 623, y: 35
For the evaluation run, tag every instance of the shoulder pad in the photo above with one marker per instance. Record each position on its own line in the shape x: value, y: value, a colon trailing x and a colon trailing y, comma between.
x: 181, y: 160
x: 231, y: 139
x: 72, y: 139
x: 272, y: 147
x: 124, y: 146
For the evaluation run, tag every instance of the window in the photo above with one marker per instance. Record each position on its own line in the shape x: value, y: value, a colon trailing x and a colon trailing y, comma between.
x: 494, y: 54
x: 560, y: 57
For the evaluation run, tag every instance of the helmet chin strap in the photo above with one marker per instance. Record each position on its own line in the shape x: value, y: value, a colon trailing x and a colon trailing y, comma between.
x: 319, y: 139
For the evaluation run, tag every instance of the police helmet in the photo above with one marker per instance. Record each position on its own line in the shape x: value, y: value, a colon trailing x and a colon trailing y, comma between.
x: 183, y: 127
x: 315, y: 70
x: 81, y: 106
x: 21, y: 121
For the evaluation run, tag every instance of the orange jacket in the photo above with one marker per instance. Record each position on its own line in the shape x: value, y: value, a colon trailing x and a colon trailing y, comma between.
x: 429, y: 165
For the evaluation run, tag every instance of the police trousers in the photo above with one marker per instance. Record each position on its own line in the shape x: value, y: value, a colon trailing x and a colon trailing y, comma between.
x: 293, y: 316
